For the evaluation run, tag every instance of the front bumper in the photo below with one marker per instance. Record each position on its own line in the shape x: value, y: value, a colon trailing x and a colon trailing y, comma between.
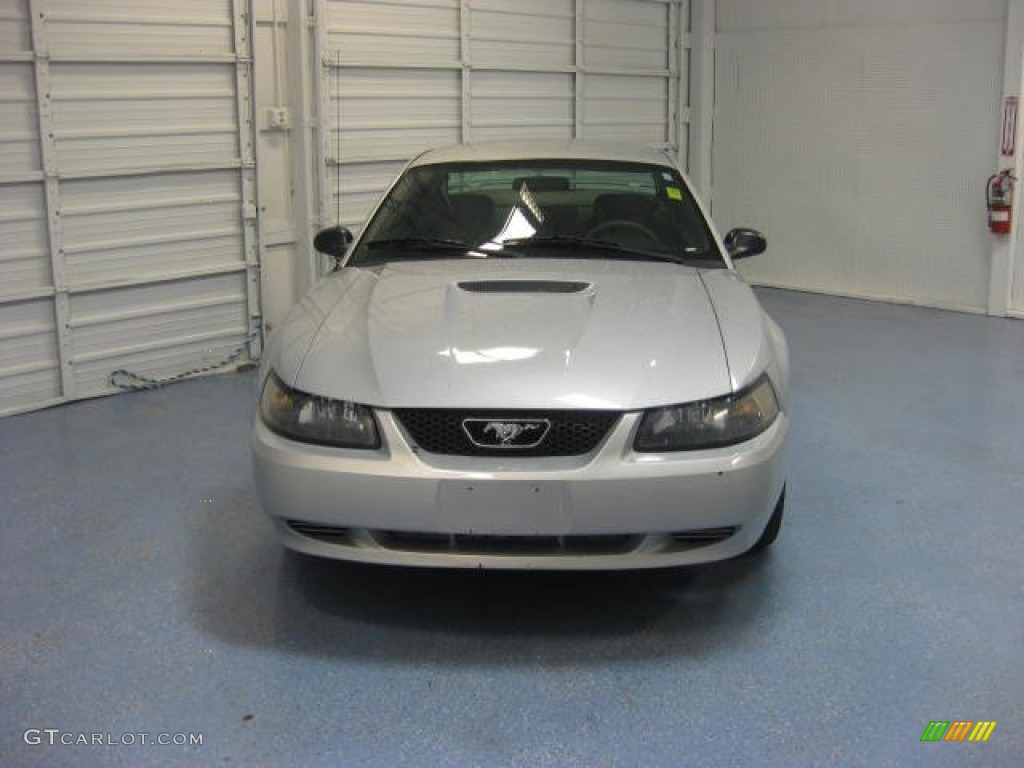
x: 613, y: 509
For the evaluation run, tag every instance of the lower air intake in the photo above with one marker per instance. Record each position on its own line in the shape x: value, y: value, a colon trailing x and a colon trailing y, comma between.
x: 325, y: 533
x: 702, y: 537
x: 473, y: 544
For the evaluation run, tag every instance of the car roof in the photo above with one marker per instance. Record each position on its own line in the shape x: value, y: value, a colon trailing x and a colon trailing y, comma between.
x: 540, y: 149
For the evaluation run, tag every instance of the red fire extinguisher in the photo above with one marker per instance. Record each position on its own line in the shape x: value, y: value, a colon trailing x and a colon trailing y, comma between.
x: 999, y: 200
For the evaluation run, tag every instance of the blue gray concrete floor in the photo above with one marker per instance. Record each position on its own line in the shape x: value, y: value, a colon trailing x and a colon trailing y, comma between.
x: 142, y: 592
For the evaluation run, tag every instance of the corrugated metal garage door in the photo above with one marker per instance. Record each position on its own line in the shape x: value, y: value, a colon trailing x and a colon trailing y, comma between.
x: 400, y: 77
x: 127, y: 192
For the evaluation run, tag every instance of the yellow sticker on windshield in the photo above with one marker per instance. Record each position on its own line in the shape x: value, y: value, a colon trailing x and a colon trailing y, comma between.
x: 674, y: 193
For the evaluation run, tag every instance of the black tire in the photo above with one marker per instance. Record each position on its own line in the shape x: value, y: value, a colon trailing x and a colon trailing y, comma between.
x: 771, y: 531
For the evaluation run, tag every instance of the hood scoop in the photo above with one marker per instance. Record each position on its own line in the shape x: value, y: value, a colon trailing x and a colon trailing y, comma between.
x: 524, y: 286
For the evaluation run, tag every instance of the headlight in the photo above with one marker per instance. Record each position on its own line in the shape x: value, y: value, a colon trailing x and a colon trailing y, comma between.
x: 315, y: 419
x: 709, y: 423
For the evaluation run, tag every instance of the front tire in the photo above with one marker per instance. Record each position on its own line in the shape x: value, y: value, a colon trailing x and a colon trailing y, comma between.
x: 771, y: 531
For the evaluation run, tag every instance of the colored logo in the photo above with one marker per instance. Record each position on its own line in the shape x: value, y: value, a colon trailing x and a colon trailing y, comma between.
x: 958, y: 730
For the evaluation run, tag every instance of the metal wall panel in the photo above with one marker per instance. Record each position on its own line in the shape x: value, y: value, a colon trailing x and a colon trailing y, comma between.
x: 626, y: 34
x: 397, y: 78
x: 128, y: 206
x: 24, y: 255
x: 29, y: 369
x: 132, y: 29
x: 111, y: 116
x: 19, y: 131
x: 634, y: 45
x: 151, y: 227
x: 154, y: 329
x: 510, y: 104
x: 415, y: 33
x: 535, y: 35
x: 627, y: 106
x: 385, y: 114
x: 15, y: 30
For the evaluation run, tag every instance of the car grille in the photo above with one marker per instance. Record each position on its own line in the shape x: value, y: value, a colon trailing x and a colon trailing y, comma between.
x: 572, y: 433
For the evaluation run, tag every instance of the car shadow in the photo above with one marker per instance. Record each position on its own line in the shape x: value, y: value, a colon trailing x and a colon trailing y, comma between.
x: 255, y: 593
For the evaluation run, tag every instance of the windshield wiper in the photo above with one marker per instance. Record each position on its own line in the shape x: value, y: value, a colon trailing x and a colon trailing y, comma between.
x: 419, y: 244
x: 576, y: 243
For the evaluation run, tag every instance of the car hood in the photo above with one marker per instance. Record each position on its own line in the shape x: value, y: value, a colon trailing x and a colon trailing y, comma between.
x: 508, y: 333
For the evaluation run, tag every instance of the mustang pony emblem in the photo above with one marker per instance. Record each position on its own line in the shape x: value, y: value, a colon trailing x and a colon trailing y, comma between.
x: 518, y: 433
x: 506, y: 432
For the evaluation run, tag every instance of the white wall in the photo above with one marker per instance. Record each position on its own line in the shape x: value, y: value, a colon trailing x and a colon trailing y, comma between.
x: 858, y: 136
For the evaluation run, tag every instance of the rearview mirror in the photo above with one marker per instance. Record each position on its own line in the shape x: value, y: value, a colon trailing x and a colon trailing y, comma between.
x: 742, y: 242
x: 333, y: 241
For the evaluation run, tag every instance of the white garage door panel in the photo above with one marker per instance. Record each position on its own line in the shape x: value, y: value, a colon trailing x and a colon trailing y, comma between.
x: 625, y: 107
x: 15, y: 32
x: 24, y: 255
x: 122, y: 260
x: 19, y: 132
x: 364, y: 90
x: 111, y: 116
x: 507, y: 104
x: 431, y: 96
x: 108, y: 29
x: 528, y: 35
x: 389, y: 143
x: 156, y: 328
x: 128, y: 205
x: 828, y: 138
x: 151, y: 227
x: 392, y: 33
x: 626, y: 34
x: 376, y: 112
x: 29, y: 369
x: 156, y: 306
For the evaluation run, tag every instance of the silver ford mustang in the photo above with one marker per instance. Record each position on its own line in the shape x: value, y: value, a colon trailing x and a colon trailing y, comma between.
x: 535, y: 355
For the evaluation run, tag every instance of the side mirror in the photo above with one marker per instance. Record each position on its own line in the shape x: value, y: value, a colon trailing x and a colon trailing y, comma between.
x: 334, y: 242
x: 742, y: 242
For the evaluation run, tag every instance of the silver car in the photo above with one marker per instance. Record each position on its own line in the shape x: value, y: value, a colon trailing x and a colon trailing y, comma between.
x: 535, y: 355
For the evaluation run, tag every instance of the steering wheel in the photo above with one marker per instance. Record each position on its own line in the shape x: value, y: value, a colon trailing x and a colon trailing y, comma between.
x: 627, y: 227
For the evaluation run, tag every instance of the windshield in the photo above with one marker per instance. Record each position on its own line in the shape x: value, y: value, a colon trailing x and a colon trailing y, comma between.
x: 539, y: 209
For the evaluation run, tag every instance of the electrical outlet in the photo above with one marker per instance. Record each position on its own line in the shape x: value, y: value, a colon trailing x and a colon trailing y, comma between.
x: 278, y: 119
